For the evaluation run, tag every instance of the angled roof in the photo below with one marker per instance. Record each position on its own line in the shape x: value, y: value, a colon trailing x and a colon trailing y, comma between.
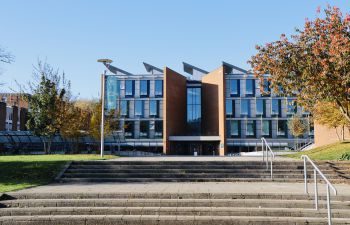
x: 151, y: 69
x: 188, y: 68
x: 115, y: 70
x: 229, y: 68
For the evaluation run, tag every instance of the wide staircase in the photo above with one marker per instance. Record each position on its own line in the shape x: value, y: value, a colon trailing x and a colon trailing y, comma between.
x: 199, y: 171
x: 168, y: 209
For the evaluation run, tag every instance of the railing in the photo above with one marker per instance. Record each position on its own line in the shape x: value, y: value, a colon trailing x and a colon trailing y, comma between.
x: 266, y: 148
x: 328, y: 186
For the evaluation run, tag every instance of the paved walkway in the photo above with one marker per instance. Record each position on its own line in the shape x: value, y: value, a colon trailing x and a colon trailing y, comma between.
x: 172, y: 187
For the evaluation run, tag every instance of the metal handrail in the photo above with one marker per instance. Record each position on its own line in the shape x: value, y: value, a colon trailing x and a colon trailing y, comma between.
x: 267, y: 149
x: 328, y: 185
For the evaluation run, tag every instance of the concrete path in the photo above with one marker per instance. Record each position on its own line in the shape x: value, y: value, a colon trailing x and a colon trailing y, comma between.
x: 172, y: 187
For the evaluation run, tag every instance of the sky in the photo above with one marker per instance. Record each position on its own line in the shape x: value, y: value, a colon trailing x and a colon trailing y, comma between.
x: 72, y: 34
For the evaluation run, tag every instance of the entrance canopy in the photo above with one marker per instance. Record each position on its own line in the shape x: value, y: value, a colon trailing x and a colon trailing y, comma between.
x: 194, y: 138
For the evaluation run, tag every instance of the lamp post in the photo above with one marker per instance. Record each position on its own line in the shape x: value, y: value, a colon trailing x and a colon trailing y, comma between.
x: 106, y: 62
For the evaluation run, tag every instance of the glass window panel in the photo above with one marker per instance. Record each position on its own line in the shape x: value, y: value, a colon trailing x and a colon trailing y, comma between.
x: 250, y: 128
x: 144, y: 88
x: 235, y: 128
x: 291, y: 107
x: 159, y: 88
x: 129, y: 88
x: 260, y: 107
x: 281, y: 128
x: 265, y: 130
x: 112, y: 90
x: 250, y: 87
x: 245, y: 107
x: 129, y: 129
x: 229, y: 111
x: 123, y: 107
x: 139, y: 107
x: 266, y: 88
x: 153, y: 108
x: 159, y: 128
x: 275, y: 107
x: 234, y: 87
x: 144, y: 129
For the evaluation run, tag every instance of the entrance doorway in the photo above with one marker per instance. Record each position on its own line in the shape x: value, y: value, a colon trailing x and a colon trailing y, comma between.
x: 189, y: 147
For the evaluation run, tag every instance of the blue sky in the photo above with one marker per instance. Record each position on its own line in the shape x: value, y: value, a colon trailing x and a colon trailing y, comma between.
x: 72, y: 35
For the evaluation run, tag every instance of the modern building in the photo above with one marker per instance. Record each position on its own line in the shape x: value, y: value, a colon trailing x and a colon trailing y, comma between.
x: 206, y: 113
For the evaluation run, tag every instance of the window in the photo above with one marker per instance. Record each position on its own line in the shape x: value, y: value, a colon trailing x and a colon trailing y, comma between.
x: 291, y: 107
x: 159, y: 128
x: 194, y: 115
x: 230, y: 110
x: 245, y: 107
x: 124, y: 109
x: 139, y: 107
x: 234, y: 88
x: 282, y: 128
x: 234, y: 128
x: 250, y: 87
x: 158, y: 88
x: 129, y: 129
x: 250, y: 131
x: 129, y: 88
x: 266, y: 128
x: 275, y: 107
x: 144, y: 88
x: 153, y: 108
x: 260, y: 107
x: 266, y: 88
x: 144, y: 129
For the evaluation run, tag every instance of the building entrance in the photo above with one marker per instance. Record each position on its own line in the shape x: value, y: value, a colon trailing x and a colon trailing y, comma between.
x: 189, y: 148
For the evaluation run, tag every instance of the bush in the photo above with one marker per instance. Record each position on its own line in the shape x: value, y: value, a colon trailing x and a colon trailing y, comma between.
x: 345, y: 156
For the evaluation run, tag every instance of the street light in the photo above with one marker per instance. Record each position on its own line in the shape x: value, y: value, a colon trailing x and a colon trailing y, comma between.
x: 106, y: 62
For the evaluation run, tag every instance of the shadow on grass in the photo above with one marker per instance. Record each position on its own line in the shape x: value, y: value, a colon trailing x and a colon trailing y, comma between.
x: 17, y: 175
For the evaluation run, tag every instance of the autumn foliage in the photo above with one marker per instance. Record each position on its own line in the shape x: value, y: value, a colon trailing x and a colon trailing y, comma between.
x: 313, y: 64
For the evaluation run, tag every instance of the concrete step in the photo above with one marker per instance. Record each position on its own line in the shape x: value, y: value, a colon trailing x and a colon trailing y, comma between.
x: 142, y: 202
x: 163, y: 220
x: 96, y: 180
x: 190, y: 175
x: 181, y: 211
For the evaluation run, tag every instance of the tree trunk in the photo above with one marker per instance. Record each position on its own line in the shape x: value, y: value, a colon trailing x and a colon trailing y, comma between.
x: 343, y: 134
x: 343, y: 111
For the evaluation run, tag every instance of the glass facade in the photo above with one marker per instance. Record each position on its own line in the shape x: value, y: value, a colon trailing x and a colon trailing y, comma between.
x: 139, y: 108
x: 129, y: 88
x: 234, y: 128
x: 230, y: 109
x: 250, y: 87
x: 129, y: 129
x: 275, y: 107
x: 291, y: 107
x: 159, y: 128
x: 158, y: 88
x: 250, y: 128
x: 282, y: 128
x: 266, y: 128
x: 260, y: 107
x: 154, y: 108
x: 245, y: 107
x: 234, y: 87
x: 144, y: 129
x: 194, y: 112
x: 266, y: 88
x: 112, y: 92
x: 124, y: 108
x: 144, y: 88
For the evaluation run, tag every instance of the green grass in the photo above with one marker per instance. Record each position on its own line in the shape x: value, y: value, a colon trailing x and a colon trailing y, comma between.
x: 327, y: 152
x: 23, y: 171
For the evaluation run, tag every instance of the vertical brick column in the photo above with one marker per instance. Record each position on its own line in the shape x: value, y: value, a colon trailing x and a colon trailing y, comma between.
x: 14, y: 118
x: 2, y: 115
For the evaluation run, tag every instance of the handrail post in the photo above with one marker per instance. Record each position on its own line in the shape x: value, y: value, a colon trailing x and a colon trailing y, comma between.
x: 271, y: 167
x: 267, y: 158
x: 262, y: 149
x: 329, y: 206
x: 305, y: 176
x: 316, y: 190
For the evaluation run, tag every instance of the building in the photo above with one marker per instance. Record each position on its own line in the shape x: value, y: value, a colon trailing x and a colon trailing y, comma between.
x: 13, y: 112
x: 205, y: 113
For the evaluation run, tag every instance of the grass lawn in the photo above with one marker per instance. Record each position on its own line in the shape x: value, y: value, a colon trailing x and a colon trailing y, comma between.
x: 327, y: 152
x: 23, y: 171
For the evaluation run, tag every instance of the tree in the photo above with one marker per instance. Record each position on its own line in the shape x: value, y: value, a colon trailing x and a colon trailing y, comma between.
x: 5, y: 56
x: 111, y: 121
x: 297, y: 127
x: 328, y: 114
x: 48, y: 93
x: 76, y: 124
x: 314, y: 64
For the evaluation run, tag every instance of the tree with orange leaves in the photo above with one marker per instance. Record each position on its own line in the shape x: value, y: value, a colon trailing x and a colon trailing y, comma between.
x: 313, y: 64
